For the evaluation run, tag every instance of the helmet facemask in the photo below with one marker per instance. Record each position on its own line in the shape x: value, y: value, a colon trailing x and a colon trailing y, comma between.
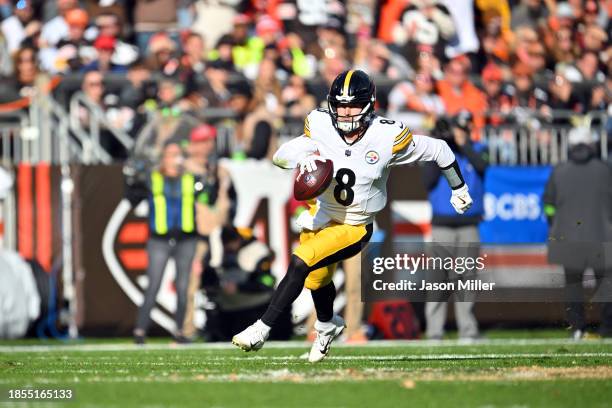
x: 349, y: 125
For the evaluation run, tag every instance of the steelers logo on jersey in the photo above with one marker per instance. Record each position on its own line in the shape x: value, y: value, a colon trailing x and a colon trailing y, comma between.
x: 372, y: 157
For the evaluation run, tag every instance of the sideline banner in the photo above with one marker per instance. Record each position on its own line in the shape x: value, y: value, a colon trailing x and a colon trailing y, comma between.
x: 513, y: 205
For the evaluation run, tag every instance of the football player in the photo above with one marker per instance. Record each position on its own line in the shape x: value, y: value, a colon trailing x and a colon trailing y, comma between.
x: 363, y: 147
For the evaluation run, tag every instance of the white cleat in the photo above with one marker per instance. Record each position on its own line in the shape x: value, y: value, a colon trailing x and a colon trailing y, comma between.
x: 253, y: 337
x: 326, y: 333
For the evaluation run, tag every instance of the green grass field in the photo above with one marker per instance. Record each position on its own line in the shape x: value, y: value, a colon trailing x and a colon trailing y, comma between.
x: 494, y: 373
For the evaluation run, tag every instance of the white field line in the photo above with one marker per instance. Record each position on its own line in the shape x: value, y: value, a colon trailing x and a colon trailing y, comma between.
x: 222, y: 360
x: 302, y: 344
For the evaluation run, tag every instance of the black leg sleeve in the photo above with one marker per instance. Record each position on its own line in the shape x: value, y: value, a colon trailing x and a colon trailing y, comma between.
x: 288, y: 290
x: 323, y: 299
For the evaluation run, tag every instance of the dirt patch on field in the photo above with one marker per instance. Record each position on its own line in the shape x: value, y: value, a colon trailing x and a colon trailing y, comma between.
x: 536, y: 373
x: 410, y: 378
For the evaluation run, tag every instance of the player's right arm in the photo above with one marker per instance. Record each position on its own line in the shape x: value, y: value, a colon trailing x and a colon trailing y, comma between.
x: 409, y: 149
x: 293, y: 153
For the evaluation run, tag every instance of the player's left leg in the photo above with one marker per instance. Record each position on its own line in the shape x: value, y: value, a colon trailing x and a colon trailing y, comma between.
x: 316, y: 251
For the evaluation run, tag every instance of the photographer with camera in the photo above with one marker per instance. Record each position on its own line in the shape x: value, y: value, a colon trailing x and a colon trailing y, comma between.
x: 238, y: 281
x: 458, y: 234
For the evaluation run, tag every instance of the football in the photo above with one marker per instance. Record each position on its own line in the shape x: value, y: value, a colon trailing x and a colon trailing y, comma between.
x: 309, y: 185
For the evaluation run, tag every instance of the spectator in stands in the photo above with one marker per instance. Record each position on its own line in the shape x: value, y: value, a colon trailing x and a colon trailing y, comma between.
x: 20, y: 25
x: 524, y: 38
x: 21, y: 84
x: 565, y: 16
x: 331, y: 41
x: 73, y: 51
x: 161, y: 50
x: 524, y: 94
x: 495, y: 43
x: 292, y: 59
x: 580, y: 214
x: 564, y: 46
x: 594, y: 38
x: 419, y: 100
x: 599, y: 98
x: 133, y: 98
x: 537, y: 61
x: 458, y: 93
x: 424, y: 22
x: 382, y: 63
x: 296, y: 99
x: 57, y: 28
x: 255, y: 131
x: 586, y: 69
x: 107, y: 108
x: 247, y: 50
x: 496, y: 17
x: 223, y: 52
x: 109, y: 25
x: 532, y: 13
x: 498, y: 101
x: 563, y: 95
x: 214, y: 89
x: 268, y: 30
x: 448, y: 227
x: 105, y: 49
x: 194, y: 52
x: 170, y: 94
x: 590, y: 13
x: 170, y: 191
x: 426, y: 61
x: 267, y: 90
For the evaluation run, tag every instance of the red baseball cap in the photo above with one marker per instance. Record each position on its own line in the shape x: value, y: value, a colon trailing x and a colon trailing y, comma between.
x: 202, y: 133
x: 492, y: 73
x: 105, y: 42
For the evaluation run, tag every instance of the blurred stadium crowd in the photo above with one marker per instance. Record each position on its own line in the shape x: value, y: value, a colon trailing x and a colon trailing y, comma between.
x: 505, y: 61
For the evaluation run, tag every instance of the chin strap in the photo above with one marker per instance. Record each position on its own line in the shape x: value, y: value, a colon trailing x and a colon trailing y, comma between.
x: 362, y: 129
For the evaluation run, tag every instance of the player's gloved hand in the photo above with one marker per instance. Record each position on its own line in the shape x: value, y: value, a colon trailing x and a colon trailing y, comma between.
x: 309, y: 163
x: 461, y: 200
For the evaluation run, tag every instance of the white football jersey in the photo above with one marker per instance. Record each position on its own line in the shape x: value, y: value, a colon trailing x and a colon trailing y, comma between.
x: 359, y: 187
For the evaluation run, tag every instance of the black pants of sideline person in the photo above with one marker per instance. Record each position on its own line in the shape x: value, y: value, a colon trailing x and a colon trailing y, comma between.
x: 159, y: 251
x: 574, y: 294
